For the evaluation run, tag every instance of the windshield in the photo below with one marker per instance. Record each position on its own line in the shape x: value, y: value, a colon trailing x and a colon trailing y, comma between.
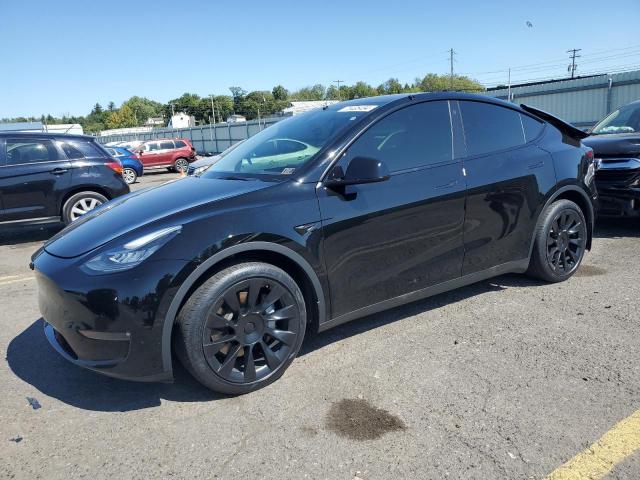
x: 623, y: 120
x: 287, y: 145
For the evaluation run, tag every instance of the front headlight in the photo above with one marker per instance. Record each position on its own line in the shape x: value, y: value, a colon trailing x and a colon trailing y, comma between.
x: 131, y: 253
x: 201, y: 170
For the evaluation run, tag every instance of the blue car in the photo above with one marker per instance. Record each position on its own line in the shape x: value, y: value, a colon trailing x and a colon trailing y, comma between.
x: 131, y: 166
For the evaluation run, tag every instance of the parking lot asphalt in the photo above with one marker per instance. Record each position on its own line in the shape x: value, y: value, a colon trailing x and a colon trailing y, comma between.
x: 506, y: 379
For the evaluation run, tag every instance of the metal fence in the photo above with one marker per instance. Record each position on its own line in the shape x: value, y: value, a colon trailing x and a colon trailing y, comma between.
x: 205, y: 138
x: 581, y: 101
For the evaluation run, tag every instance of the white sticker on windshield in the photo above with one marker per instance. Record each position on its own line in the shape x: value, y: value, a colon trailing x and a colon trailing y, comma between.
x: 288, y: 171
x: 358, y: 108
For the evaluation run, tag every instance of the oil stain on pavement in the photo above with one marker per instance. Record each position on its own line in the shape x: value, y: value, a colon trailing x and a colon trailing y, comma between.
x: 590, y: 271
x: 358, y: 420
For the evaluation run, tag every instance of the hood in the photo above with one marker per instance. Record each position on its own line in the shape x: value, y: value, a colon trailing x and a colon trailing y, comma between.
x: 126, y: 214
x: 622, y: 144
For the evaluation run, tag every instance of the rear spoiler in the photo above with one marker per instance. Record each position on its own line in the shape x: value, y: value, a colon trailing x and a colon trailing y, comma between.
x: 561, y: 125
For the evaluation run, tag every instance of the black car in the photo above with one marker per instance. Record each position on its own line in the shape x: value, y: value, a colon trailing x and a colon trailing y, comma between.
x: 395, y: 198
x: 616, y: 144
x: 54, y: 177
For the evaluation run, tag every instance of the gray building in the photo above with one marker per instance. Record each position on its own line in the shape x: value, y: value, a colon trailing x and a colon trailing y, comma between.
x: 581, y: 101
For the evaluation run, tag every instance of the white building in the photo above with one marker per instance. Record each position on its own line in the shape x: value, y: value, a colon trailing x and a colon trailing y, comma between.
x: 70, y: 128
x: 236, y: 118
x: 182, y: 120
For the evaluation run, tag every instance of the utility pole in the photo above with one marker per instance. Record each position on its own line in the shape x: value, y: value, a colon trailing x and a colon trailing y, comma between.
x: 451, y: 54
x: 213, y: 111
x: 338, y: 82
x: 572, y: 68
x: 509, y: 87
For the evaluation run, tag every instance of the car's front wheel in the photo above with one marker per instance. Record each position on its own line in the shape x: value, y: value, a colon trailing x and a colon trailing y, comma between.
x: 242, y: 328
x: 560, y: 242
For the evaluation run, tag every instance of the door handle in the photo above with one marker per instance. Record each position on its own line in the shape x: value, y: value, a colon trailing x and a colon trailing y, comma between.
x: 536, y: 165
x: 59, y: 171
x: 451, y: 184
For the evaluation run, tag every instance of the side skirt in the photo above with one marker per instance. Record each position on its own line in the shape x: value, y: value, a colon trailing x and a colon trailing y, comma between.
x: 32, y: 221
x: 516, y: 266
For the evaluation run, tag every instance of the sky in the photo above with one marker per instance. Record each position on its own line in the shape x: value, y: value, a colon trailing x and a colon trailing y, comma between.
x: 62, y: 57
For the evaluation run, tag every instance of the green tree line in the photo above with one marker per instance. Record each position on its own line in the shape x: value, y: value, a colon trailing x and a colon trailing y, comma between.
x: 216, y: 108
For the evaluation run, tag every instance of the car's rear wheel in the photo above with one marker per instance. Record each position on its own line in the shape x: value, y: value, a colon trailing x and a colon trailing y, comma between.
x: 560, y: 242
x: 129, y: 175
x: 242, y: 328
x: 181, y: 165
x: 81, y: 203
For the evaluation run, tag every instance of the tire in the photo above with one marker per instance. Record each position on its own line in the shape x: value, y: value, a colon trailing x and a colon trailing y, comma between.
x: 129, y: 175
x: 79, y: 204
x: 181, y: 165
x: 242, y: 328
x: 560, y: 242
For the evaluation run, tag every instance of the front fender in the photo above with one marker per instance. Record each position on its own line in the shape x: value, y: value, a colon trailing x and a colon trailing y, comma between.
x: 202, y: 268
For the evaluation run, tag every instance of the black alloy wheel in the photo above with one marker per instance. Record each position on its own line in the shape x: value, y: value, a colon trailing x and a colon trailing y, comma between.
x: 560, y: 242
x: 250, y: 330
x: 241, y: 329
x: 566, y: 241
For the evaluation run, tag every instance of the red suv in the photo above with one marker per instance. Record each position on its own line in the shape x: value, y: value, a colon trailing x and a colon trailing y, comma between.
x: 174, y: 153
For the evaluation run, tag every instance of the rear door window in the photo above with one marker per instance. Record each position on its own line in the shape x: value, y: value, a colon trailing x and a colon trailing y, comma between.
x: 70, y: 151
x: 88, y: 149
x: 166, y: 146
x: 489, y: 128
x: 21, y: 150
x: 180, y: 144
x: 154, y: 146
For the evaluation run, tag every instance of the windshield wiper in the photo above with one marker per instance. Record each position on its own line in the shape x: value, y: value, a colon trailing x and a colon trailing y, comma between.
x: 232, y: 177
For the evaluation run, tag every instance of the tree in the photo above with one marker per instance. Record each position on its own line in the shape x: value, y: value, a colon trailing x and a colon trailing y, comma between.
x: 111, y: 106
x: 144, y: 108
x: 316, y: 92
x: 260, y: 103
x: 223, y: 105
x: 120, y: 118
x: 433, y: 82
x: 97, y: 109
x: 361, y: 90
x: 238, y: 94
x: 191, y: 104
x: 390, y: 87
x: 280, y: 93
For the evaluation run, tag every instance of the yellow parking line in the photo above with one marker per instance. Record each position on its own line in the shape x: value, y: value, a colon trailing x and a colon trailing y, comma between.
x: 13, y: 279
x: 600, y: 458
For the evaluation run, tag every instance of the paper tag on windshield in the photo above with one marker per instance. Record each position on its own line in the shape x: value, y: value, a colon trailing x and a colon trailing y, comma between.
x: 288, y: 171
x: 358, y: 108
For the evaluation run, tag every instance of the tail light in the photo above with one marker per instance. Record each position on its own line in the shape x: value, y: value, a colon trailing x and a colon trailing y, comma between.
x: 115, y: 165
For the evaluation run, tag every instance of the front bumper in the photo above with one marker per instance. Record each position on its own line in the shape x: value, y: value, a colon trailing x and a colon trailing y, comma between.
x: 618, y: 184
x: 111, y: 324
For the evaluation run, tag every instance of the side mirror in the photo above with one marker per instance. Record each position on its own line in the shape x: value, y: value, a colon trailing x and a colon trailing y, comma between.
x: 360, y: 170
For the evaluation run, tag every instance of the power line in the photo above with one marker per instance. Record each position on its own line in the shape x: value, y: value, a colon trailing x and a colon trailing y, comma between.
x: 555, y: 62
x: 619, y: 69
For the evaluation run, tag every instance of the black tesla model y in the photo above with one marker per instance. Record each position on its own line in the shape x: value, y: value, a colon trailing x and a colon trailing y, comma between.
x: 319, y: 219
